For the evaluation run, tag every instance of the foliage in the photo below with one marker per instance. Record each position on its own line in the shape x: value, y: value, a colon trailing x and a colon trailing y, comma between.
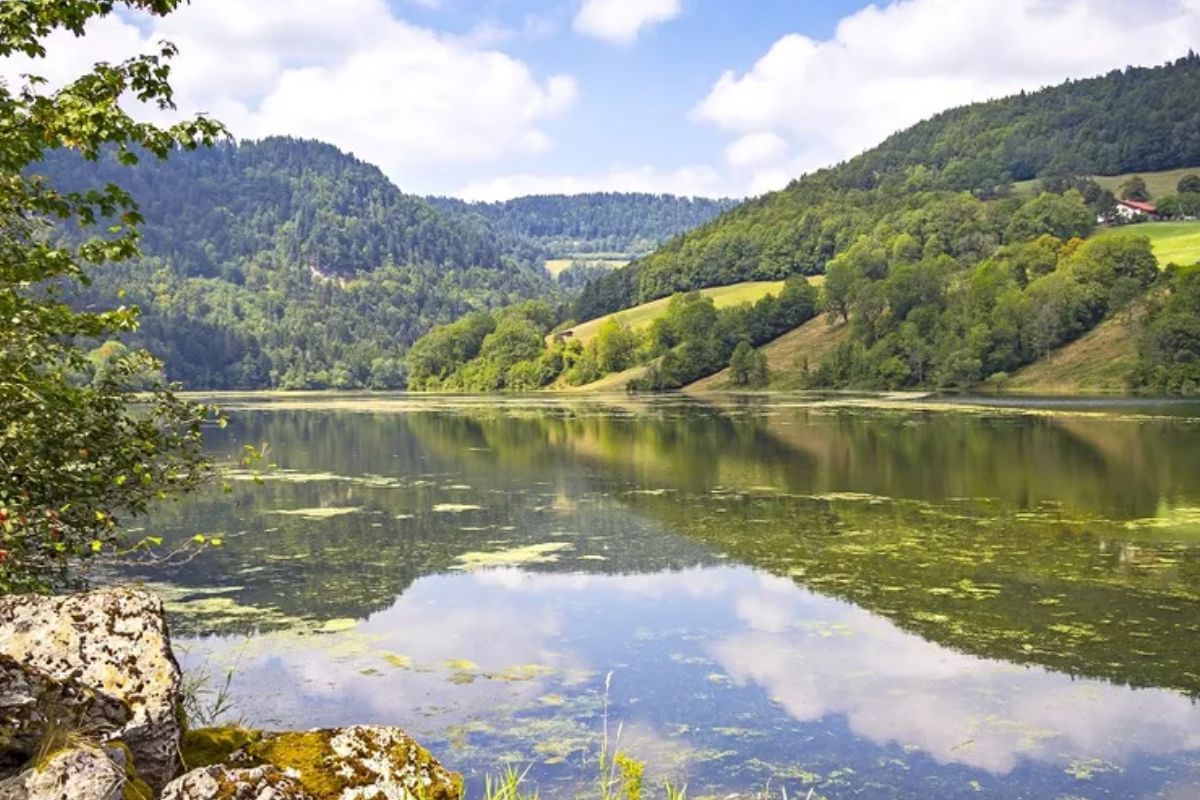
x: 1169, y: 345
x: 1134, y: 188
x: 1123, y: 122
x: 75, y: 456
x: 486, y: 352
x: 748, y: 367
x: 287, y: 263
x: 601, y: 222
x: 1185, y: 205
x: 694, y: 339
x: 931, y: 322
x: 507, y: 786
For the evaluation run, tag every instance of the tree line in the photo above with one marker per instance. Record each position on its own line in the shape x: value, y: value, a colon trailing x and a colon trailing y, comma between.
x: 525, y: 347
x: 597, y: 222
x: 1128, y: 121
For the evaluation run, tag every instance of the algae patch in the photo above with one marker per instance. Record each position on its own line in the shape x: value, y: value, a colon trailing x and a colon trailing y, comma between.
x: 455, y: 508
x: 317, y: 513
x: 545, y: 553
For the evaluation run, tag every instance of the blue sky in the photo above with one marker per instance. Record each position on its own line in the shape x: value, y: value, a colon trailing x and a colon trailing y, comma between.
x: 489, y: 99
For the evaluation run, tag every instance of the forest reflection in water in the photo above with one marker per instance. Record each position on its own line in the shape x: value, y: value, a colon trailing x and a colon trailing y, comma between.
x: 867, y: 599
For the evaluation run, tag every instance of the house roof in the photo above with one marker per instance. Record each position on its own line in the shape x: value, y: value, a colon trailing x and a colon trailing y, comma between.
x: 1137, y: 205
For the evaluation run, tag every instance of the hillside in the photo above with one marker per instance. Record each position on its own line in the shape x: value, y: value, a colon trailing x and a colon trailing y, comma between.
x: 1107, y: 359
x: 286, y: 263
x: 1136, y: 120
x: 786, y: 356
x: 1100, y: 361
x: 588, y: 225
x: 640, y: 317
x: 1158, y: 184
x: 1172, y: 242
x: 947, y: 277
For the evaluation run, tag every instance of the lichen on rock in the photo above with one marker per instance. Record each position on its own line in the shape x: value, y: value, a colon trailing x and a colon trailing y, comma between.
x: 359, y: 763
x: 75, y: 773
x: 34, y: 704
x: 115, y: 643
x: 216, y: 782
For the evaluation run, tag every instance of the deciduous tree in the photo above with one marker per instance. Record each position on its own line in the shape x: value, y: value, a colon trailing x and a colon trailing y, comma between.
x: 75, y: 458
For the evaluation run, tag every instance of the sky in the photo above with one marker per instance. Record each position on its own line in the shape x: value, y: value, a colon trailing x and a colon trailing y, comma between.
x: 491, y: 99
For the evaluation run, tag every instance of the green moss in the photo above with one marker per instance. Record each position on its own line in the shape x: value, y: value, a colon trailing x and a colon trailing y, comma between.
x: 310, y: 754
x: 307, y: 753
x: 207, y: 746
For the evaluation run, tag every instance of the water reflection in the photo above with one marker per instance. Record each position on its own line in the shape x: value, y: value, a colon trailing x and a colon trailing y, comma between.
x: 866, y: 601
x: 719, y: 673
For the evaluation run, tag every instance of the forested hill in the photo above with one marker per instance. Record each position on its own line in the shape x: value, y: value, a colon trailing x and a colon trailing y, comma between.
x: 937, y: 273
x: 602, y: 222
x: 213, y: 212
x: 287, y: 263
x: 1133, y: 120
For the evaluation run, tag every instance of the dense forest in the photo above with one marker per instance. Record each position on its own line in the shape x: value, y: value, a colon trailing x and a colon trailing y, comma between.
x: 1128, y: 121
x: 602, y: 222
x: 514, y: 349
x: 946, y: 276
x: 288, y: 263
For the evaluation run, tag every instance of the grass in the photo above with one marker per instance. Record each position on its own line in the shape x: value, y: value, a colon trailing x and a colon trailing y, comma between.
x: 1097, y: 362
x: 556, y: 266
x: 1100, y: 361
x: 614, y: 382
x: 1158, y: 183
x: 723, y: 296
x: 813, y: 340
x: 619, y: 776
x: 1173, y: 242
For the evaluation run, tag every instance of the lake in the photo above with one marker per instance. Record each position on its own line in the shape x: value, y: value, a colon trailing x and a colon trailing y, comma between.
x: 861, y: 598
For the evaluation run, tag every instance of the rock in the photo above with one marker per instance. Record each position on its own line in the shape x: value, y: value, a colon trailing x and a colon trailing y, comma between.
x: 115, y: 642
x: 80, y: 773
x: 357, y: 763
x: 222, y: 783
x: 33, y: 704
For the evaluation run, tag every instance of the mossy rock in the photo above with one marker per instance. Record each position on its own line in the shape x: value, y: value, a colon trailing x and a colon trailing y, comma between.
x: 205, y: 747
x: 360, y: 761
x: 336, y: 764
x: 218, y: 782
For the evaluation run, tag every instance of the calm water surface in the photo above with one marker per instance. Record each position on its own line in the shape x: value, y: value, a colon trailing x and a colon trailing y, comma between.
x: 868, y: 600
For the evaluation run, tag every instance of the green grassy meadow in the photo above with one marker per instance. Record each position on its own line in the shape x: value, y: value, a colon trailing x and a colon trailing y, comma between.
x: 1159, y: 184
x: 641, y: 316
x: 1173, y: 242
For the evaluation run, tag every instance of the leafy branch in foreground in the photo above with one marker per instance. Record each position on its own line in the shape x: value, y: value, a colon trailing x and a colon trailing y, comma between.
x: 75, y: 458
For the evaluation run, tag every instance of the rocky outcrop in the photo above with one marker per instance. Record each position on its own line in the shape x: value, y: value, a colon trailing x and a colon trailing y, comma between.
x: 90, y: 679
x: 222, y: 783
x: 115, y: 643
x: 79, y: 773
x: 33, y: 705
x: 356, y: 763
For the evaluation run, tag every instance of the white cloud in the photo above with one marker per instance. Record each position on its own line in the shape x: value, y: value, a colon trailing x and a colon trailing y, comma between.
x: 893, y: 64
x: 620, y: 21
x: 697, y: 180
x: 350, y: 73
x: 755, y: 149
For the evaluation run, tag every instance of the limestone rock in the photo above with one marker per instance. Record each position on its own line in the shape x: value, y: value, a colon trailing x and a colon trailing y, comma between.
x: 358, y: 763
x: 222, y: 783
x: 81, y: 773
x: 32, y: 704
x: 115, y: 642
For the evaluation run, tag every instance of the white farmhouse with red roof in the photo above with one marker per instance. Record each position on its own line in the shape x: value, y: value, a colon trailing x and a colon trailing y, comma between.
x: 1136, y: 209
